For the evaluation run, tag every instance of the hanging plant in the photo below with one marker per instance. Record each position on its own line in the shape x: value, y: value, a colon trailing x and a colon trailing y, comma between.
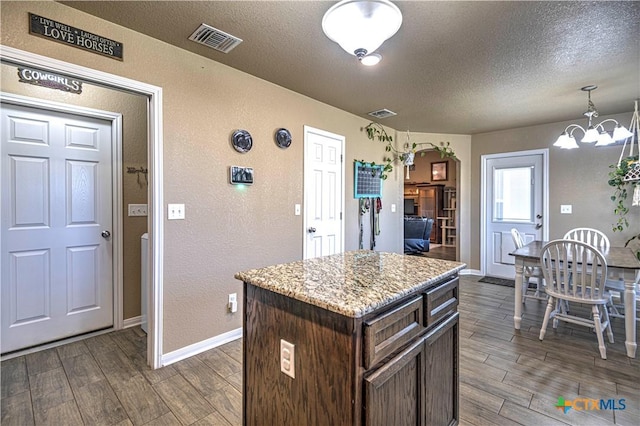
x: 376, y: 131
x: 622, y: 189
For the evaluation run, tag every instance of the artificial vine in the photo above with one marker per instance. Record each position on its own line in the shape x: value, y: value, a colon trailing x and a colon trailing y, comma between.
x: 376, y: 131
x: 621, y: 192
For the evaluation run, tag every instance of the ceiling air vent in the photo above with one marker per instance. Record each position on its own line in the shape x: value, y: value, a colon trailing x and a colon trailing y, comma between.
x: 382, y: 113
x: 214, y: 38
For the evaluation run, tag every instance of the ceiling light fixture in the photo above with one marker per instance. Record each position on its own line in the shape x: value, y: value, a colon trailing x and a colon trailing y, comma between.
x: 361, y: 26
x: 371, y: 60
x: 593, y: 133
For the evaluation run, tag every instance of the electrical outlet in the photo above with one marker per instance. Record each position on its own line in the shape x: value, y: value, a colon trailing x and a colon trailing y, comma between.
x: 287, y: 358
x: 233, y: 303
x: 137, y: 209
x: 175, y: 211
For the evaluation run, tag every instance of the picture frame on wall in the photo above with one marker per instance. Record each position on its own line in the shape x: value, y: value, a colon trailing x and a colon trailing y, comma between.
x: 439, y: 171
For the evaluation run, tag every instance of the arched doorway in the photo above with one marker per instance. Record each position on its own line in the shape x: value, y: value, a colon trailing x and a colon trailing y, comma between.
x: 431, y: 186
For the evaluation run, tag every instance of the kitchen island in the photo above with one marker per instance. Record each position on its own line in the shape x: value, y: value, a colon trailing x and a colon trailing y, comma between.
x: 356, y: 338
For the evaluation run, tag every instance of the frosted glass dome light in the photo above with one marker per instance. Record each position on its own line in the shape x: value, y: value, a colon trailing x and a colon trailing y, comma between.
x: 361, y: 26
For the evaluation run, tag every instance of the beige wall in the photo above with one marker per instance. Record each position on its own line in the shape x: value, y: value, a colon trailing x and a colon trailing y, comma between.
x: 577, y: 177
x: 226, y: 229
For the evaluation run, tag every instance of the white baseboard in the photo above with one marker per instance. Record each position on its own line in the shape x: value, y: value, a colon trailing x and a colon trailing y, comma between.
x: 471, y: 272
x: 132, y: 322
x: 205, y: 345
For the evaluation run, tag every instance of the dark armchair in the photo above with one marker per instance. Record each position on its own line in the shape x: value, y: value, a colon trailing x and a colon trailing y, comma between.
x: 417, y: 232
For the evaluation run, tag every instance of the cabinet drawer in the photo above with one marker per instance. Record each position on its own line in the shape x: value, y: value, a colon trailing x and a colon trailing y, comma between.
x: 440, y: 301
x: 390, y: 331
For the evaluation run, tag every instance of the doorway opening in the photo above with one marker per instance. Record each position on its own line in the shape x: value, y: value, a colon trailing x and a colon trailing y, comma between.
x: 153, y: 114
x: 514, y: 194
x: 323, y: 193
x: 431, y: 186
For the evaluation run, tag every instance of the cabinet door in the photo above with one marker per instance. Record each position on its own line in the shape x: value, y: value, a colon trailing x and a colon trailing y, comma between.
x: 441, y: 373
x: 393, y: 392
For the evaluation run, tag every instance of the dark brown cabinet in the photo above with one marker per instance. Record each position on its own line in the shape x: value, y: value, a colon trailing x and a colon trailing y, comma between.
x: 419, y: 386
x: 395, y: 366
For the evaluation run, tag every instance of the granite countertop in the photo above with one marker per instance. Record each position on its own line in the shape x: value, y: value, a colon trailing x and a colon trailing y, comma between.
x: 352, y: 283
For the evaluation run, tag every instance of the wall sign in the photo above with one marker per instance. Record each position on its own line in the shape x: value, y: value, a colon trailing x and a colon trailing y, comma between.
x: 62, y: 33
x: 47, y: 79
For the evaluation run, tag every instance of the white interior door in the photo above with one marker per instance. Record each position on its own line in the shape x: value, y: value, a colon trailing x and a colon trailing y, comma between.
x: 514, y: 198
x: 57, y: 255
x: 323, y: 193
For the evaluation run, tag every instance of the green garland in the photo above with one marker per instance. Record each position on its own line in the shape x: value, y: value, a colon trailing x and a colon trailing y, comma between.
x: 376, y: 131
x: 621, y: 193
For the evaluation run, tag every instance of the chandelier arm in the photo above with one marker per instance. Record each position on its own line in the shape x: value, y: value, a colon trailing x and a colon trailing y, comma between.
x: 604, y: 121
x: 574, y: 127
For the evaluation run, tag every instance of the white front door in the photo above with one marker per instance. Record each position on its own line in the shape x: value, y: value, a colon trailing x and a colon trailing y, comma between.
x: 323, y: 193
x: 514, y: 198
x: 57, y: 277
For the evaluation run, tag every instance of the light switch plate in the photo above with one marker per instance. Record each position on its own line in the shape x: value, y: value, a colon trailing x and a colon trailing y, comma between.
x: 565, y: 208
x: 175, y: 211
x: 137, y: 209
x: 297, y: 209
x: 393, y: 208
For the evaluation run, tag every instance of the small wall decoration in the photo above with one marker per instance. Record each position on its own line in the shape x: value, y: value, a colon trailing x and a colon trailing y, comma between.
x: 283, y: 138
x: 368, y: 180
x: 240, y: 175
x: 439, y: 170
x: 241, y: 141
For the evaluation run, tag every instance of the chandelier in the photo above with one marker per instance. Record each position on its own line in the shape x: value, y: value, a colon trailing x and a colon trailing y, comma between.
x: 361, y: 26
x: 593, y: 133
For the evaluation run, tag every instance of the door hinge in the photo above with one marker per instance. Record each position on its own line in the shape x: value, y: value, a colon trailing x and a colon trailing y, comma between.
x: 341, y: 158
x: 340, y: 215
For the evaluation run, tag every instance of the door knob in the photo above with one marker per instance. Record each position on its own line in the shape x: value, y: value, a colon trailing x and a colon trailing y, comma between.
x: 106, y: 234
x: 538, y: 225
x: 538, y: 216
x: 311, y: 230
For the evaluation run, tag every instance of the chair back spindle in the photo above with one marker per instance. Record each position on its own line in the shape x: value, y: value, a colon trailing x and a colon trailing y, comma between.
x: 593, y: 237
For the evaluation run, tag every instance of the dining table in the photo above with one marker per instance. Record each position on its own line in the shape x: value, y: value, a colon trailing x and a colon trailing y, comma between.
x: 621, y: 262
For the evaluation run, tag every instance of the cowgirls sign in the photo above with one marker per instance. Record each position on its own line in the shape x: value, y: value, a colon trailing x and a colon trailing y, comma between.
x: 52, y: 81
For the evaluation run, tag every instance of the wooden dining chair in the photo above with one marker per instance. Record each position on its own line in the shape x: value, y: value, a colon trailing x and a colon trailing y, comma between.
x: 529, y: 272
x: 563, y: 266
x: 600, y: 241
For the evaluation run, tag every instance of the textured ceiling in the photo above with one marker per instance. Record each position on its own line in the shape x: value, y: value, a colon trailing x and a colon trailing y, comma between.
x: 453, y: 67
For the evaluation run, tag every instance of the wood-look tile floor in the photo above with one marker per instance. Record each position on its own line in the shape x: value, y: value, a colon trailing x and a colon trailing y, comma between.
x: 507, y: 377
x: 442, y: 252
